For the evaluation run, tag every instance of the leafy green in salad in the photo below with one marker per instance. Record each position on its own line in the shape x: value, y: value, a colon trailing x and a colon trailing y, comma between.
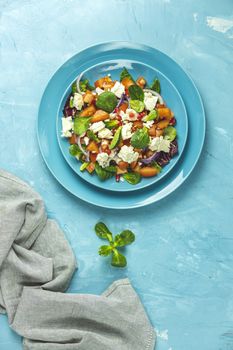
x: 132, y: 178
x: 152, y: 115
x: 84, y: 85
x: 170, y: 133
x: 136, y: 93
x: 125, y: 74
x: 137, y: 105
x: 107, y: 101
x: 156, y: 85
x: 124, y: 238
x: 104, y: 173
x: 140, y: 138
x: 81, y: 124
x: 116, y: 139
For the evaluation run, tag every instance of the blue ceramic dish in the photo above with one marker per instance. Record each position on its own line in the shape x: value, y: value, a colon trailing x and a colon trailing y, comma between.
x: 171, y: 97
x: 54, y: 93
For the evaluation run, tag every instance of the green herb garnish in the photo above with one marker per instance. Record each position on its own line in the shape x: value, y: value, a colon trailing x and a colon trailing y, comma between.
x: 126, y: 237
x: 84, y: 85
x: 81, y: 125
x: 136, y: 93
x: 74, y: 87
x: 140, y: 138
x: 107, y: 101
x: 132, y: 178
x: 92, y: 136
x: 84, y: 166
x: 125, y: 74
x: 156, y: 85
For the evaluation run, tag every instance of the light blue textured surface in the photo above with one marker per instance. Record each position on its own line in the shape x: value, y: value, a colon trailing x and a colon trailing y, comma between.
x: 182, y: 261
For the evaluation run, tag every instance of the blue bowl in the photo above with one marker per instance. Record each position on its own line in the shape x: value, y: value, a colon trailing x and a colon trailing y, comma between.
x: 170, y: 95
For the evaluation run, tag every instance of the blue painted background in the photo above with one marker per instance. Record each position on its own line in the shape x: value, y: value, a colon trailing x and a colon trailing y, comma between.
x: 182, y: 261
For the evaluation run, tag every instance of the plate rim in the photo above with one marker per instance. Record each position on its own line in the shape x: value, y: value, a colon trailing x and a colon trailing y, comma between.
x: 139, y: 46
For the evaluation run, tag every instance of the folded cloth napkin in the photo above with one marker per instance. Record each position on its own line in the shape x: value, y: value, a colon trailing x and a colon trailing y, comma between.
x: 36, y: 266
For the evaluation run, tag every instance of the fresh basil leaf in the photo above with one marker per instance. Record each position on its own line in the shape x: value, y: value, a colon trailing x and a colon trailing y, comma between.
x: 137, y: 105
x: 140, y: 138
x: 124, y: 238
x: 116, y: 138
x: 102, y: 173
x: 81, y: 125
x: 132, y: 178
x: 156, y: 85
x: 152, y: 115
x: 103, y: 232
x: 111, y: 124
x: 125, y: 74
x: 136, y: 93
x: 118, y: 259
x: 74, y: 87
x: 107, y: 101
x: 84, y: 85
x: 170, y: 133
x: 105, y: 250
x: 92, y: 136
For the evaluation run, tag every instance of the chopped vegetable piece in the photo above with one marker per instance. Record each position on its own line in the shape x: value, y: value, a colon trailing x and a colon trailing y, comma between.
x: 137, y: 105
x: 88, y: 111
x: 83, y: 166
x: 107, y: 101
x: 116, y: 138
x: 170, y: 133
x: 99, y: 116
x: 93, y: 147
x: 152, y: 115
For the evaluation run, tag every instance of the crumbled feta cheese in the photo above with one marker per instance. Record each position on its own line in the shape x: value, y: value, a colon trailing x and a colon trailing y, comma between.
x: 127, y: 154
x: 150, y: 101
x: 112, y: 115
x: 99, y: 91
x: 86, y: 140
x: 159, y: 144
x: 126, y: 131
x: 67, y: 126
x: 129, y: 115
x: 78, y: 101
x: 118, y: 89
x: 96, y: 127
x: 103, y: 159
x: 105, y: 134
x: 148, y: 124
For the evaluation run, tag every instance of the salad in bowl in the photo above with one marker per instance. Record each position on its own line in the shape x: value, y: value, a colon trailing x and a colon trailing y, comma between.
x: 119, y: 128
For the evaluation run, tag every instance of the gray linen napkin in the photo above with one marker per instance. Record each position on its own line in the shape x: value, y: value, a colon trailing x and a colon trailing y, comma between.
x: 36, y: 266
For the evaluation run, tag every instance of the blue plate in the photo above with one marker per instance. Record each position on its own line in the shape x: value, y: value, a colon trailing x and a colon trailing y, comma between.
x: 170, y: 95
x: 54, y: 93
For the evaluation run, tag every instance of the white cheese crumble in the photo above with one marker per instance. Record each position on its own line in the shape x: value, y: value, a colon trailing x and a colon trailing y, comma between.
x: 99, y: 91
x: 96, y: 127
x: 148, y: 124
x: 105, y: 134
x: 103, y: 159
x: 118, y: 89
x: 126, y: 131
x: 78, y: 101
x: 67, y: 126
x: 112, y: 115
x: 150, y: 101
x: 129, y: 115
x: 86, y: 140
x: 127, y: 154
x: 159, y: 144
